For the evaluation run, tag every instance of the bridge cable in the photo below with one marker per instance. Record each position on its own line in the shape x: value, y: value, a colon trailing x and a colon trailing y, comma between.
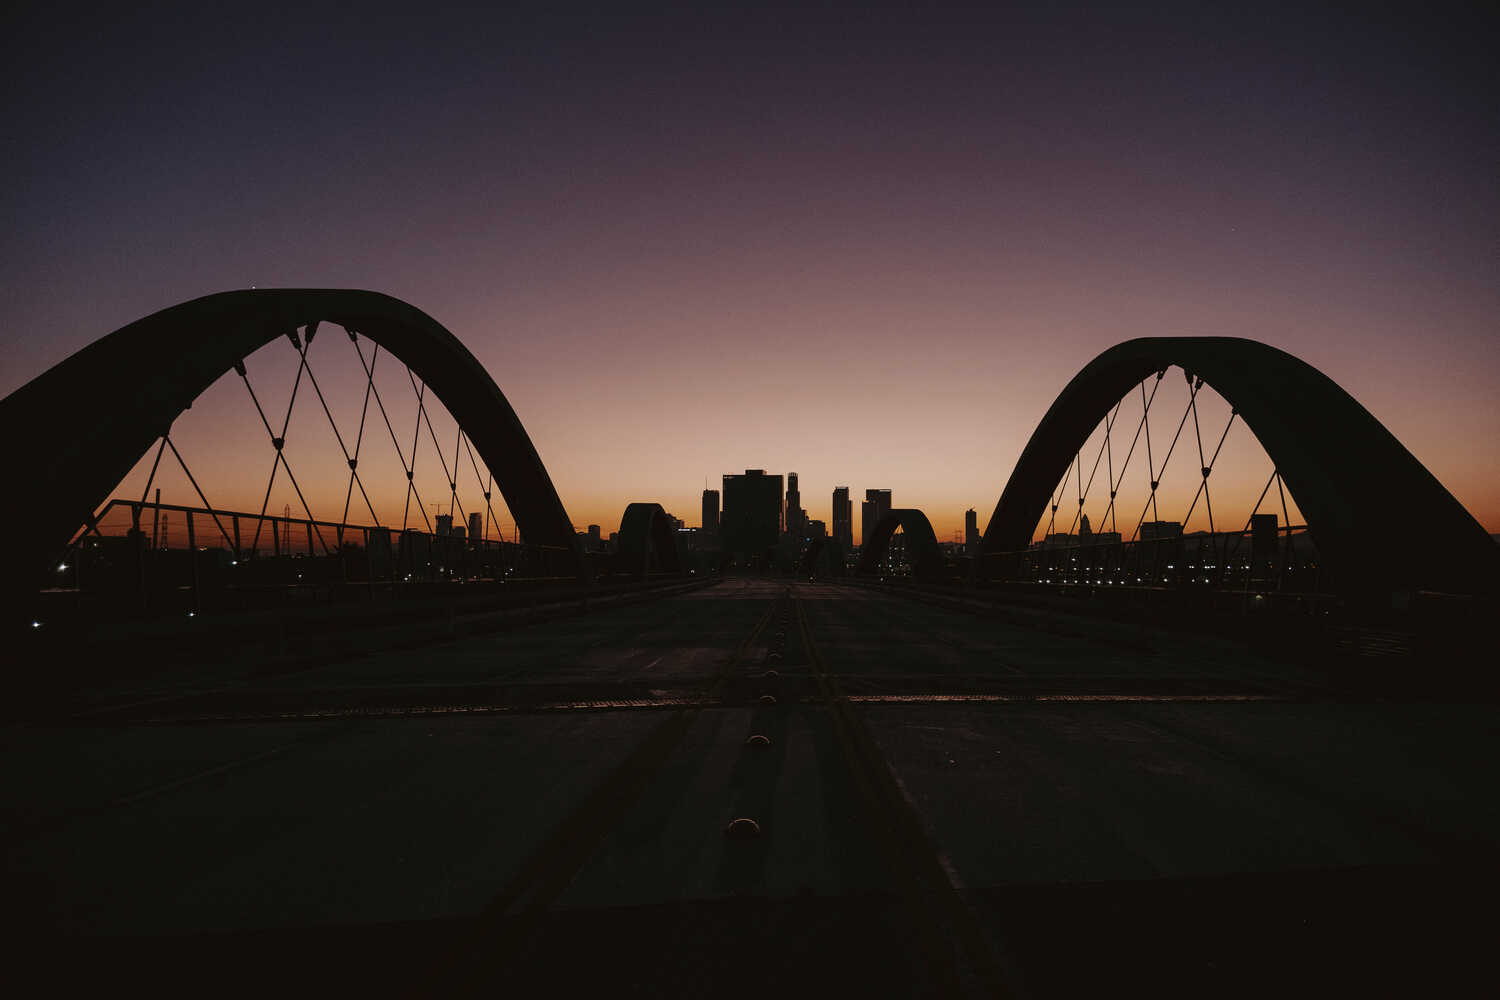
x: 207, y: 506
x: 152, y: 478
x: 458, y: 439
x: 360, y: 440
x: 411, y: 469
x: 422, y: 415
x: 306, y: 344
x: 277, y: 443
x: 1287, y: 518
x: 1239, y: 538
x: 1109, y: 419
x: 1114, y: 486
x: 1156, y: 477
x: 285, y: 424
x: 488, y: 491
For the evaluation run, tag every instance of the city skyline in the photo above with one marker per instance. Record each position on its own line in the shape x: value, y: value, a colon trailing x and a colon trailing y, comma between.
x: 893, y: 239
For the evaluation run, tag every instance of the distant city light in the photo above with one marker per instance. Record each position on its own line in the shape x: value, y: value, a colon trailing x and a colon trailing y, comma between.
x: 36, y: 624
x: 62, y: 567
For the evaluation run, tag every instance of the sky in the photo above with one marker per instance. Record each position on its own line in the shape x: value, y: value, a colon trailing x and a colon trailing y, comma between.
x: 870, y: 248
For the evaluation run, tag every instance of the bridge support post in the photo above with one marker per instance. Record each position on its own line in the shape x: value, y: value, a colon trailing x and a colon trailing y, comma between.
x: 193, y: 564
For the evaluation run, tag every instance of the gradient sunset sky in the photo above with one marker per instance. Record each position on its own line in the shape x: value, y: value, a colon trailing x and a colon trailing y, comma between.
x: 866, y: 247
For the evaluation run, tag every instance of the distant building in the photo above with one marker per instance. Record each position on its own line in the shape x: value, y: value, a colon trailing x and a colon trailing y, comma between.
x: 1083, y: 526
x: 816, y: 529
x: 710, y: 521
x: 444, y: 526
x: 596, y: 543
x: 1156, y: 530
x: 750, y: 524
x: 795, y: 516
x: 476, y: 526
x: 971, y: 531
x: 877, y: 504
x: 843, y: 518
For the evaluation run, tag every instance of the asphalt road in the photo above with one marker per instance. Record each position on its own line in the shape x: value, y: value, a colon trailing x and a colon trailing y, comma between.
x: 945, y: 803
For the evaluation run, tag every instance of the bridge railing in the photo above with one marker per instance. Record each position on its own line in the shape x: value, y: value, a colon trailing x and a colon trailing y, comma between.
x: 1223, y: 560
x: 145, y: 556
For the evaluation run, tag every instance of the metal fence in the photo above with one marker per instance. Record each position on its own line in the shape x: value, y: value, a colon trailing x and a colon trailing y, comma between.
x: 143, y: 556
x: 1281, y: 561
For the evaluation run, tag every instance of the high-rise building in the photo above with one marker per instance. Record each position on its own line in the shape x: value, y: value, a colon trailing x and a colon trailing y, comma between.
x: 795, y: 516
x: 843, y: 518
x: 750, y: 524
x: 971, y: 531
x: 1153, y: 531
x: 816, y: 528
x: 711, y: 511
x: 596, y: 543
x: 476, y: 527
x: 877, y: 504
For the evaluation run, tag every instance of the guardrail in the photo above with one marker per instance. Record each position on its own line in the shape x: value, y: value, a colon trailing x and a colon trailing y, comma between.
x: 146, y: 557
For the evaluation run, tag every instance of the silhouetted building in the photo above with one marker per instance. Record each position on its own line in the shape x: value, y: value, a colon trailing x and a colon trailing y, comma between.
x: 711, y: 512
x: 444, y: 525
x: 1155, y: 530
x: 750, y: 524
x: 843, y: 518
x: 877, y: 504
x: 816, y: 529
x: 596, y: 543
x: 971, y: 531
x: 795, y: 516
x: 1083, y: 526
x: 476, y: 526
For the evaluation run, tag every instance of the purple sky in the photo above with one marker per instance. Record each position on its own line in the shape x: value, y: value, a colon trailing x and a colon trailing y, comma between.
x: 869, y: 249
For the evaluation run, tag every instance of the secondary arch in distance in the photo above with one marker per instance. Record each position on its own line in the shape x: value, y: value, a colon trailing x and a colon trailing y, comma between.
x: 1380, y: 519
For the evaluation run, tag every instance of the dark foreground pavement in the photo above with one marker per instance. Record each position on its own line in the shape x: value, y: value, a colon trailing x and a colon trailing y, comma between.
x: 947, y: 804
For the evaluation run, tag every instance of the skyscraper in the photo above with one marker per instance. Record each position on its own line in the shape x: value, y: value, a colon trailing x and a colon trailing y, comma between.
x: 711, y: 512
x: 843, y: 518
x: 877, y: 504
x: 794, y: 513
x: 971, y: 531
x: 751, y: 522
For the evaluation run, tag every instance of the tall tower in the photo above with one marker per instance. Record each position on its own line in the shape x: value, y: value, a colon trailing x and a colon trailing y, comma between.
x: 711, y: 512
x: 971, y: 531
x: 877, y: 505
x: 843, y: 518
x: 794, y: 512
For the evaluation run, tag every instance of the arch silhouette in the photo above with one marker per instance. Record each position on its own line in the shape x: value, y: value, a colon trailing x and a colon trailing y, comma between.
x: 75, y: 454
x: 646, y: 530
x: 921, y: 543
x: 1380, y: 520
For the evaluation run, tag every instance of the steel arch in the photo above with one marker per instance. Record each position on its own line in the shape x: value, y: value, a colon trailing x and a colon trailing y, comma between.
x: 89, y: 419
x: 645, y: 528
x: 926, y: 559
x: 1380, y: 520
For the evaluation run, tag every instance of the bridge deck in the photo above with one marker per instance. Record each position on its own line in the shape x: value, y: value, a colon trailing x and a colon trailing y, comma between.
x: 948, y: 803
